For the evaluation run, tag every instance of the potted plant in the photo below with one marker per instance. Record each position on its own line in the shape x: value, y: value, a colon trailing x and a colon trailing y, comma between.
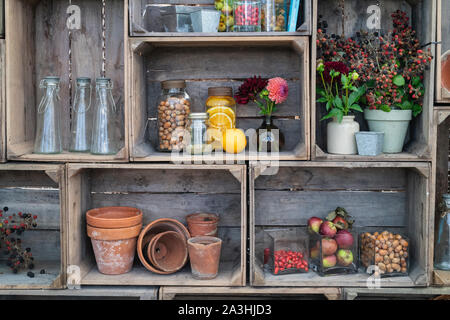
x: 267, y: 94
x: 341, y: 97
x: 391, y: 67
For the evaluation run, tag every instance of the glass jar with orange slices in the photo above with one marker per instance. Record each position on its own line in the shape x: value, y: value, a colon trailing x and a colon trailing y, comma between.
x: 221, y: 108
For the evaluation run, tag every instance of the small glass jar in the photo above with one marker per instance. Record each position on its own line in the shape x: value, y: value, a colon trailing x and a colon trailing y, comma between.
x: 81, y: 117
x: 274, y: 15
x: 442, y: 250
x: 173, y: 111
x: 225, y: 7
x: 287, y: 251
x: 221, y: 108
x: 247, y: 15
x: 196, y: 127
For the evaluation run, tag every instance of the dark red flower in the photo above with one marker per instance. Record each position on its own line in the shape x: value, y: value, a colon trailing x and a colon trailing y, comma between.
x: 336, y: 66
x: 250, y: 89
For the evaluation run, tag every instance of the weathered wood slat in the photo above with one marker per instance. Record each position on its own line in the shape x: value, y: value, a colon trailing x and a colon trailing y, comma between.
x: 295, y: 208
x: 2, y: 96
x: 43, y: 26
x: 333, y: 179
x: 43, y: 203
x: 164, y: 181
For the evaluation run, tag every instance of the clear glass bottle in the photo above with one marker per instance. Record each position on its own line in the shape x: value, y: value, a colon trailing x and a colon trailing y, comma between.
x: 196, y: 127
x: 106, y: 127
x: 274, y: 15
x: 81, y: 117
x: 442, y: 250
x: 247, y: 15
x: 173, y: 111
x: 48, y: 125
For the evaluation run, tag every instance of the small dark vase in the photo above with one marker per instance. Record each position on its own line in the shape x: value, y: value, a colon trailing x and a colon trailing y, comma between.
x: 270, y: 137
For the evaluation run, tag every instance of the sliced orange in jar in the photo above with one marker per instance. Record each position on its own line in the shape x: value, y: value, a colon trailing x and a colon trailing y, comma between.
x: 221, y: 120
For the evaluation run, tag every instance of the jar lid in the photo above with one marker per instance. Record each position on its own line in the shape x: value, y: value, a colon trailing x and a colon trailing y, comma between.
x: 173, y: 84
x: 220, y: 91
x: 103, y: 80
x: 198, y: 116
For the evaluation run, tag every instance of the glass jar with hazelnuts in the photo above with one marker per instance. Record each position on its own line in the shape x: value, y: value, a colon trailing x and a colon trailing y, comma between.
x: 174, y: 108
x: 385, y: 254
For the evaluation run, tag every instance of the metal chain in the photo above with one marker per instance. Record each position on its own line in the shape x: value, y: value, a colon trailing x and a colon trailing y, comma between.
x: 103, y: 38
x: 70, y: 72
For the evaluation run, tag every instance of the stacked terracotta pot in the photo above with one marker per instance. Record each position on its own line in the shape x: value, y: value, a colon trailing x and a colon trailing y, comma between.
x: 113, y: 232
x: 162, y: 246
x: 204, y: 246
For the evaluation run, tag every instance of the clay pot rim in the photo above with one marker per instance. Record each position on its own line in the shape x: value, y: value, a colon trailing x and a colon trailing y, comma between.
x: 195, y: 218
x: 98, y: 217
x: 176, y: 223
x: 152, y: 244
x: 113, y: 234
x: 195, y: 240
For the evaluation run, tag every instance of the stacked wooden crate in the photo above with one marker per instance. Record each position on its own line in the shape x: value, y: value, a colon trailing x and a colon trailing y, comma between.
x: 442, y: 120
x: 384, y: 191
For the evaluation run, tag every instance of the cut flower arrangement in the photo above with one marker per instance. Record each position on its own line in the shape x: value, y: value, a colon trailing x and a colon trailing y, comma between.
x: 390, y: 67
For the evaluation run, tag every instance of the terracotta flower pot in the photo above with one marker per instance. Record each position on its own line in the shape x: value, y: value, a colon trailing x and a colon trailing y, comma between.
x: 151, y: 230
x: 168, y: 251
x: 114, y: 248
x: 202, y: 224
x: 204, y: 254
x: 114, y: 217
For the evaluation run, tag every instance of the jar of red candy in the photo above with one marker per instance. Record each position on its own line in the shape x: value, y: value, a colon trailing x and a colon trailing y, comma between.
x: 247, y: 15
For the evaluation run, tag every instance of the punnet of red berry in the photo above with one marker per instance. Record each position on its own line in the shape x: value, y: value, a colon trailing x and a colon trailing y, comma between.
x: 12, y: 227
x: 287, y: 261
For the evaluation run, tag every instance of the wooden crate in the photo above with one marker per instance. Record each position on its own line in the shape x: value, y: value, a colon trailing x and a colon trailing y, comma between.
x: 40, y: 190
x: 171, y: 191
x: 381, y: 195
x: 2, y: 103
x: 441, y: 175
x: 248, y: 293
x: 84, y: 293
x: 442, y: 47
x: 419, y: 140
x: 38, y: 46
x: 394, y: 293
x: 148, y: 24
x: 205, y: 62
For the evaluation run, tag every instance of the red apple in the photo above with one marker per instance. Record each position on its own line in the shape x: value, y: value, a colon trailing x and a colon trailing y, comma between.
x: 340, y: 223
x: 329, y: 246
x: 329, y: 261
x: 314, y: 224
x: 344, y: 257
x: 344, y: 239
x: 328, y: 229
x: 315, y: 251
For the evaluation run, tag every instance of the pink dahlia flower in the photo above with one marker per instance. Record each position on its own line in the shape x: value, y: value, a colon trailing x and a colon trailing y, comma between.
x: 278, y: 90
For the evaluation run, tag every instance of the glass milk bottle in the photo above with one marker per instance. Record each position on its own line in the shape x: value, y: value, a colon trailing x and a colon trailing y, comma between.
x: 81, y: 117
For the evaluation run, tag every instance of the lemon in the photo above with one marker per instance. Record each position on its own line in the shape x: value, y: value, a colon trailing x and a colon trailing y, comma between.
x: 223, y: 109
x: 221, y: 120
x: 234, y: 141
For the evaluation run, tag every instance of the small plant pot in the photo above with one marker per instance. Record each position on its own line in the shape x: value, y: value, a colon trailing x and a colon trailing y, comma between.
x: 204, y: 254
x: 393, y: 124
x: 168, y: 251
x: 369, y: 143
x: 114, y: 248
x: 341, y: 136
x: 150, y: 231
x: 202, y: 224
x: 114, y: 217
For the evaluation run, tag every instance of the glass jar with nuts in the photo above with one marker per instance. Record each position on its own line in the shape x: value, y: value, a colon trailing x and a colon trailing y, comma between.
x: 173, y: 110
x: 384, y: 253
